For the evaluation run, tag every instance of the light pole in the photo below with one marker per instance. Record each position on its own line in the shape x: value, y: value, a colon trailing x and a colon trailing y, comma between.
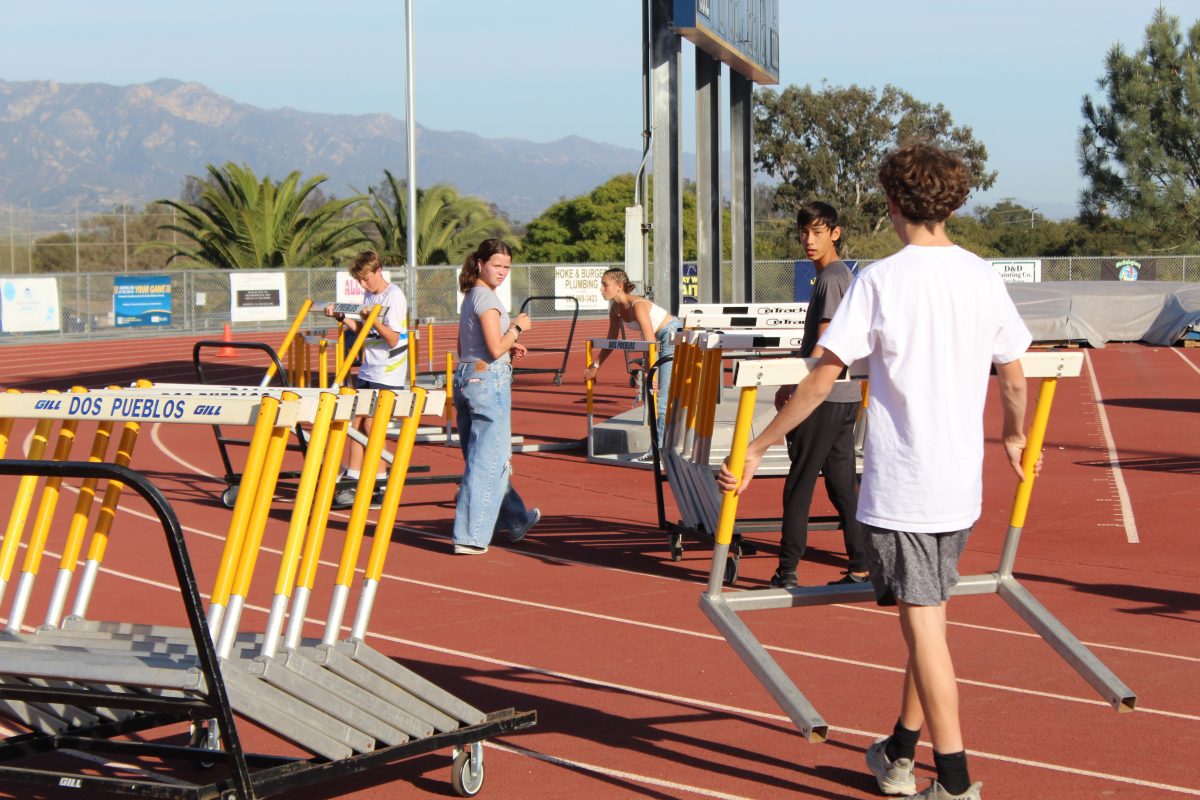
x: 411, y: 126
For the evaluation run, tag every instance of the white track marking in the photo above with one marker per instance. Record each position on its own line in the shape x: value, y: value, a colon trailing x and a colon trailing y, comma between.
x: 683, y: 700
x: 157, y: 439
x: 612, y: 773
x: 1118, y: 648
x: 1186, y: 360
x: 675, y: 698
x: 621, y: 620
x: 681, y: 632
x: 1131, y: 532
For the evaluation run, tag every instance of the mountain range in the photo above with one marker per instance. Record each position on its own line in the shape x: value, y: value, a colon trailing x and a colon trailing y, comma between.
x: 95, y: 145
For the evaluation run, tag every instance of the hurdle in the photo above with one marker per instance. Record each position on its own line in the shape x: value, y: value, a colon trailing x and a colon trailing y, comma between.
x: 340, y: 700
x: 696, y: 411
x: 723, y: 608
x: 625, y: 346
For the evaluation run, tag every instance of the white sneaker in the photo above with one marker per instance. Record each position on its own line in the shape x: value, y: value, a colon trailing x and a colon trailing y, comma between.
x: 893, y: 777
x: 470, y: 549
x: 936, y: 792
x: 645, y: 458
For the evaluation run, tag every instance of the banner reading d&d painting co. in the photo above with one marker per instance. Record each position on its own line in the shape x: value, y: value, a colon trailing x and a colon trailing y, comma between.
x: 257, y: 297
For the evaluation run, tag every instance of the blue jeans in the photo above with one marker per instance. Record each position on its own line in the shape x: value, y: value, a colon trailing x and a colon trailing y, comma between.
x: 665, y: 340
x: 486, y: 500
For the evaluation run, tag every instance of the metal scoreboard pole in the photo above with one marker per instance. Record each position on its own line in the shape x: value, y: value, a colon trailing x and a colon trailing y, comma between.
x: 746, y: 38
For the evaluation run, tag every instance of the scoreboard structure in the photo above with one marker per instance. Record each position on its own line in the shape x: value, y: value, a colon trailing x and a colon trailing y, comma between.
x: 741, y: 33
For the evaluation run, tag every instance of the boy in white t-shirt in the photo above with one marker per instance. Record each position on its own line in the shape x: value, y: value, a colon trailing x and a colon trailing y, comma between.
x: 385, y: 352
x: 932, y: 321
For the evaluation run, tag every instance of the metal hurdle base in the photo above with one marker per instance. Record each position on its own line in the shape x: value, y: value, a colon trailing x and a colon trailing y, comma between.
x: 723, y: 610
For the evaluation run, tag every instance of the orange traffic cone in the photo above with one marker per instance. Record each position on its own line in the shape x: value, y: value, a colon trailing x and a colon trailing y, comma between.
x: 227, y: 336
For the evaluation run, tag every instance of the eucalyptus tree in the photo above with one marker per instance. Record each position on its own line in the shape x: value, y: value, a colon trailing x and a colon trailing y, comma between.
x: 827, y: 143
x: 241, y: 221
x: 449, y: 225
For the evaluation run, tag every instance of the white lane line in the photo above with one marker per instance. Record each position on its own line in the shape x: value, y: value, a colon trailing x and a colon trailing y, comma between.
x: 157, y: 439
x: 687, y: 633
x: 1114, y: 461
x: 679, y: 699
x: 722, y: 707
x: 734, y: 710
x: 613, y: 773
x: 1186, y: 360
x: 620, y: 620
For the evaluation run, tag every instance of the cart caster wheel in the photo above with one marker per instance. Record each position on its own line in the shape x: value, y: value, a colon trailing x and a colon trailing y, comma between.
x: 229, y: 497
x: 464, y: 779
x: 558, y: 380
x: 731, y: 569
x: 676, y: 547
x: 203, y: 735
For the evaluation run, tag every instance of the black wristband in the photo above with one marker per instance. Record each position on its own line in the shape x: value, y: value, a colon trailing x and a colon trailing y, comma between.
x: 520, y: 330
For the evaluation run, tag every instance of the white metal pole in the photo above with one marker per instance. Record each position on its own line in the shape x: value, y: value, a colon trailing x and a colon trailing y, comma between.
x: 411, y: 125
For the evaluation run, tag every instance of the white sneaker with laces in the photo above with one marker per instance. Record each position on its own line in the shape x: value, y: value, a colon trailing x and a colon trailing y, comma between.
x: 893, y: 777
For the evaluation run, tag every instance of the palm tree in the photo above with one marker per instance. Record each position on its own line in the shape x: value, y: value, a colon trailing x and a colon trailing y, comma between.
x: 241, y: 222
x: 449, y: 225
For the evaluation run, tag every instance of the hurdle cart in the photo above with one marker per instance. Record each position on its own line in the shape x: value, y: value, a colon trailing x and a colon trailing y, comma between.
x: 78, y: 684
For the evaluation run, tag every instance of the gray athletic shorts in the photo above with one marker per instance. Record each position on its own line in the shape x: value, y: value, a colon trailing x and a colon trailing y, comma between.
x: 918, y: 568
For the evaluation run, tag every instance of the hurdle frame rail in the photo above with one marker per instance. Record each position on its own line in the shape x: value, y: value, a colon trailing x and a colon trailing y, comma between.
x: 274, y: 691
x: 566, y: 350
x: 723, y: 608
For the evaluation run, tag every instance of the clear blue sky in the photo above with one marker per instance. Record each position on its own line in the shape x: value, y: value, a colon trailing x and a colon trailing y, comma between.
x: 533, y: 69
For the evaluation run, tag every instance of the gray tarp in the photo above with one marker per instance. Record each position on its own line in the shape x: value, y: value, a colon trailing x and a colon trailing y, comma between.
x: 1157, y: 312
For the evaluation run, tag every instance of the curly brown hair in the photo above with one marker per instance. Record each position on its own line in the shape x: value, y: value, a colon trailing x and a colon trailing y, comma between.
x: 925, y: 181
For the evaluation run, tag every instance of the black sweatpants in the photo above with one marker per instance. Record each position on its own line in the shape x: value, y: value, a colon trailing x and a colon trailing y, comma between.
x: 822, y: 444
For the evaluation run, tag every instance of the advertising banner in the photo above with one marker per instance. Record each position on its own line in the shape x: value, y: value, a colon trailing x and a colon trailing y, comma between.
x: 140, y: 300
x: 1128, y: 270
x: 348, y: 290
x: 1028, y: 270
x: 582, y: 283
x: 257, y: 296
x: 29, y: 304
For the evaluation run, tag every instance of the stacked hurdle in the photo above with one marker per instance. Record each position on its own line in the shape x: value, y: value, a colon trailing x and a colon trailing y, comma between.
x: 723, y: 609
x: 698, y: 420
x: 80, y: 683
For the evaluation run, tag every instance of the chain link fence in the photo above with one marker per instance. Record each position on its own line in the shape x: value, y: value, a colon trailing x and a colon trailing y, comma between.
x: 201, y: 299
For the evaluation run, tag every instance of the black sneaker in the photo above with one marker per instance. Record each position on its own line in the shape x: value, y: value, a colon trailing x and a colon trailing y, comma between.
x: 783, y: 580
x: 849, y: 578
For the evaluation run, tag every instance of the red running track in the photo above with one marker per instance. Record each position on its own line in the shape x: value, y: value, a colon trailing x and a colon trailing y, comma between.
x: 590, y: 623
